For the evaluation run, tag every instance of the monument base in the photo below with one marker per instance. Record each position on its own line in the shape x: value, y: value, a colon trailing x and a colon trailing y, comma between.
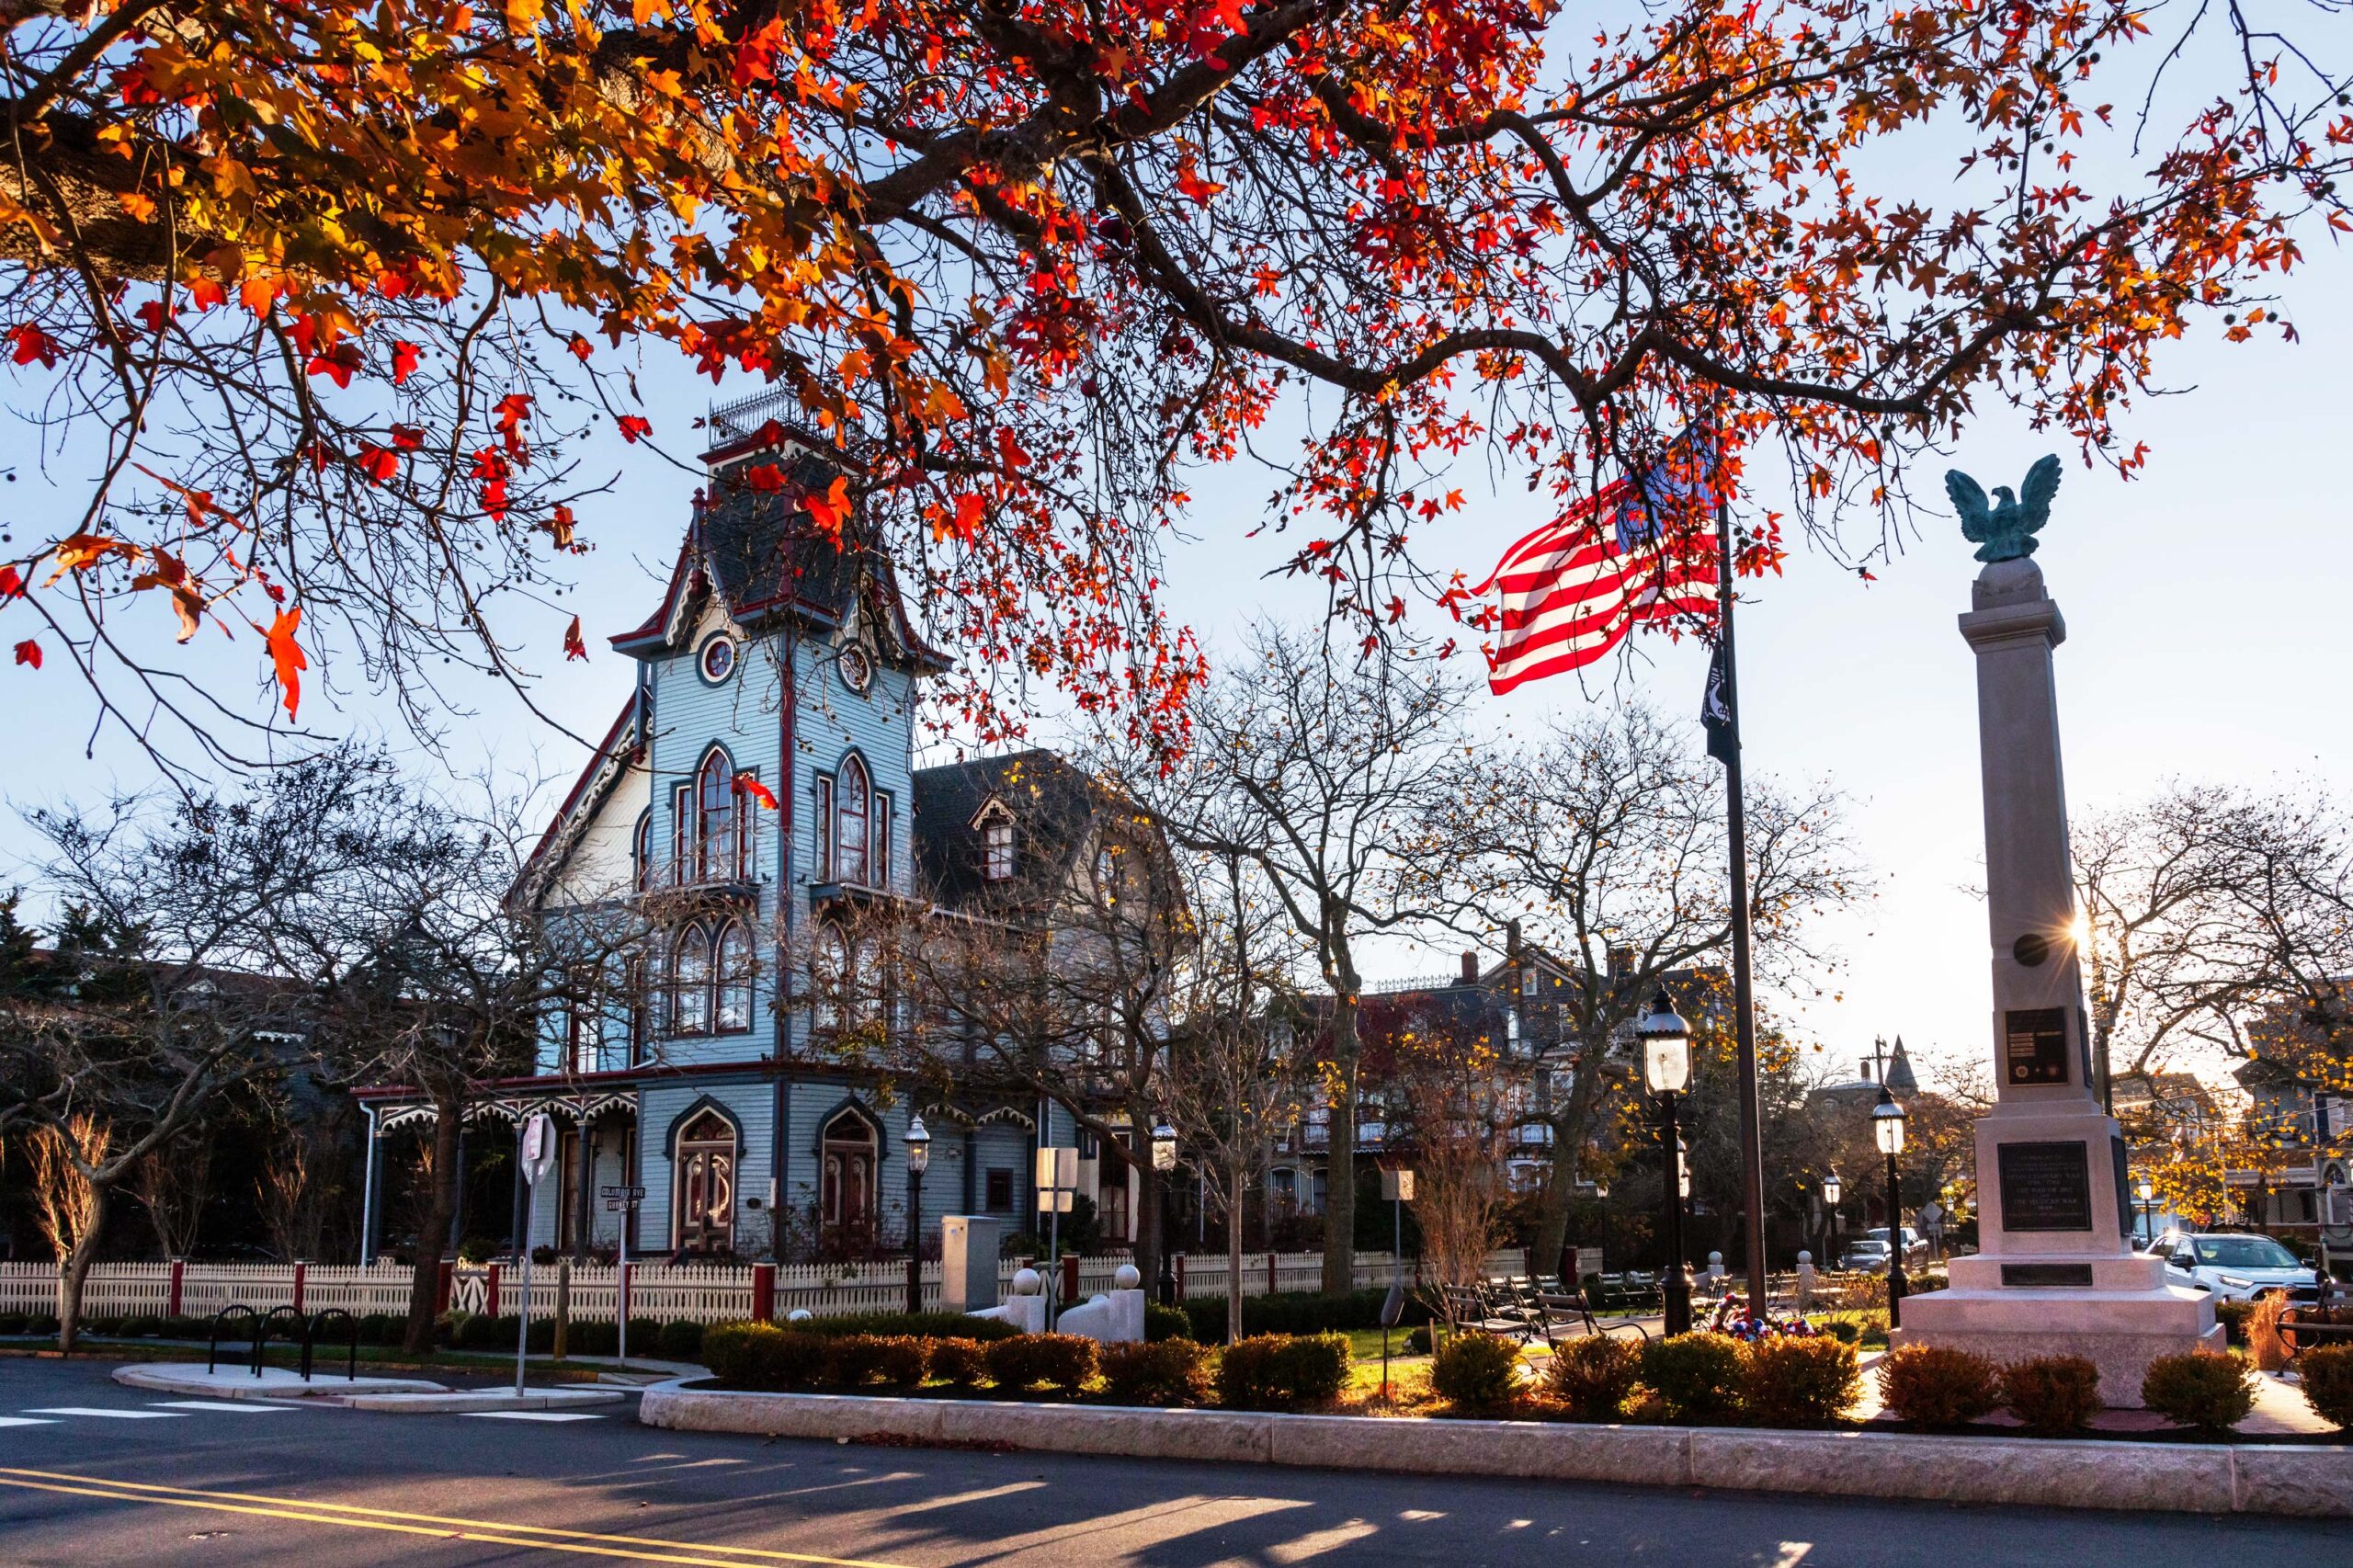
x: 2119, y: 1323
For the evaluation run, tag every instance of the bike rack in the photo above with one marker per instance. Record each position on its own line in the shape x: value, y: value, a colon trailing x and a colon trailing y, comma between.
x: 351, y: 1350
x: 261, y: 1336
x: 212, y: 1345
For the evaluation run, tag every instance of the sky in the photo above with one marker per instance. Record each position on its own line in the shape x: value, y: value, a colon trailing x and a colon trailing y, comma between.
x: 2206, y: 604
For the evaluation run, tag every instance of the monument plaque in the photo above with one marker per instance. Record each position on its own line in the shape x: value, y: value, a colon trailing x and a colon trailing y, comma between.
x: 2046, y: 1187
x: 2034, y: 1044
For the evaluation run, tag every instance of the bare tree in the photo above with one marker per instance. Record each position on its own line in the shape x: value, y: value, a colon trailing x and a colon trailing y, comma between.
x: 1606, y: 839
x: 1235, y: 1077
x: 173, y: 1183
x: 1326, y: 778
x: 1068, y: 997
x: 1460, y: 1094
x: 165, y: 987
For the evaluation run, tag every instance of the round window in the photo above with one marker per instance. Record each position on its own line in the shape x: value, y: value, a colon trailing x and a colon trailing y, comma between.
x: 858, y: 670
x: 718, y: 659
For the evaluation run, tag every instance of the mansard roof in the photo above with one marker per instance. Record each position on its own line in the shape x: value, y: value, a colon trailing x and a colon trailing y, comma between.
x: 1054, y: 807
x: 753, y: 543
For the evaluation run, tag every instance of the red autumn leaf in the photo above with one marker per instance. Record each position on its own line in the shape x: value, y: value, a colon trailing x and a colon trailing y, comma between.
x: 204, y: 293
x: 747, y: 785
x: 405, y: 357
x: 286, y: 655
x: 831, y: 510
x: 337, y: 363
x: 151, y: 316
x: 970, y: 511
x: 767, y: 478
x: 634, y: 428
x: 579, y: 347
x: 377, y: 464
x: 755, y: 55
x: 11, y: 585
x: 31, y: 343
x: 512, y: 410
x: 28, y: 652
x: 575, y: 646
x: 407, y: 438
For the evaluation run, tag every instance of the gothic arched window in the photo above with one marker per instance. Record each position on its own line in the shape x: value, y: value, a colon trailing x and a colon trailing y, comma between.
x: 852, y: 810
x: 718, y: 819
x: 733, y: 1014
x: 829, y: 978
x: 690, y: 981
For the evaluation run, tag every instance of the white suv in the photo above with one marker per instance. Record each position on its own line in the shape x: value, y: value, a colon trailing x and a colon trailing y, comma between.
x: 2235, y: 1268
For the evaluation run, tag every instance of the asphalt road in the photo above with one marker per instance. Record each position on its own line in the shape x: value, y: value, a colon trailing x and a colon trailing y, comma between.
x: 94, y: 1473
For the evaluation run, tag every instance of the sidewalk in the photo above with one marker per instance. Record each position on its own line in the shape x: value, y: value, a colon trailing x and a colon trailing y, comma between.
x: 413, y: 1396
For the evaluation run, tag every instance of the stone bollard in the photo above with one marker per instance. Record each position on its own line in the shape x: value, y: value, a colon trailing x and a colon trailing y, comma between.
x: 1807, y: 1279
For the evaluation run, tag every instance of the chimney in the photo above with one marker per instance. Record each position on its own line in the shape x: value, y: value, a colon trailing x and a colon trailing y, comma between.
x: 1621, y: 961
x: 1469, y: 969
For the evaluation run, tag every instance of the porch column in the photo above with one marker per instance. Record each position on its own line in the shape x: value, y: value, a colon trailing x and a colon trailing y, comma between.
x: 368, y: 1196
x: 583, y: 1216
x: 457, y: 1210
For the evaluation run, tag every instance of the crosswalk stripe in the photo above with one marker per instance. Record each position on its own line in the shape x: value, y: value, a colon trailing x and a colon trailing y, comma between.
x: 531, y: 1416
x: 239, y: 1407
x: 105, y: 1413
x: 25, y: 1421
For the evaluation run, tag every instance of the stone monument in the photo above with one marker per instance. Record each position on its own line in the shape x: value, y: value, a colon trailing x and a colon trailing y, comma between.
x: 2055, y: 1271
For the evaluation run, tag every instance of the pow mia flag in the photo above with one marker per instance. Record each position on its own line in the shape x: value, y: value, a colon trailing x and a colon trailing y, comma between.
x: 1715, y: 711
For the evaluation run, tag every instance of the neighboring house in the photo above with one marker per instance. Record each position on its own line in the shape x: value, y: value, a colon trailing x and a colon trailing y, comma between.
x: 760, y: 780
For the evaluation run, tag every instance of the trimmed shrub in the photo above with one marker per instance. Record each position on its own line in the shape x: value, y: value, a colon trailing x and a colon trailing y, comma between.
x: 1062, y: 1360
x: 1935, y: 1385
x: 1417, y: 1340
x: 910, y: 1326
x: 1476, y: 1371
x: 1845, y: 1330
x: 12, y: 1322
x: 959, y: 1363
x: 907, y: 1361
x: 1696, y: 1375
x: 2197, y: 1389
x: 2232, y: 1316
x: 853, y: 1360
x: 2327, y: 1373
x: 765, y: 1358
x: 1799, y: 1381
x: 680, y: 1340
x: 1282, y: 1371
x: 1593, y: 1376
x: 2052, y: 1393
x: 1165, y: 1322
x: 1157, y: 1372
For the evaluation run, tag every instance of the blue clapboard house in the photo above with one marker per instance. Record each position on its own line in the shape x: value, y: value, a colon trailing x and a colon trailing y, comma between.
x: 780, y: 666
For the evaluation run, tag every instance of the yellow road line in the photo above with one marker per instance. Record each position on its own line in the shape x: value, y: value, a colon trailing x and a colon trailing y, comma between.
x: 583, y: 1542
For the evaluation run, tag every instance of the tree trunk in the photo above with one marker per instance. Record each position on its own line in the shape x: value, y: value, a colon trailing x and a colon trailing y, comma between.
x: 70, y: 1278
x: 1340, y: 1162
x: 1569, y: 1123
x: 1233, y: 1190
x: 424, y: 1279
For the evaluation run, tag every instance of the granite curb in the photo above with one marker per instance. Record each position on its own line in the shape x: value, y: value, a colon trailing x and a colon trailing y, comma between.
x: 2201, y: 1478
x: 276, y: 1384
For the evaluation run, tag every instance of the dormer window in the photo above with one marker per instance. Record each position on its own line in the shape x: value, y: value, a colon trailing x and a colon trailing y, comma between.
x: 997, y: 849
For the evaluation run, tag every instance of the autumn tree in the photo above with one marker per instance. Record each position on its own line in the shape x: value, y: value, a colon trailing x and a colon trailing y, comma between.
x: 321, y: 300
x: 1325, y: 774
x: 165, y: 990
x: 1457, y: 1095
x: 1604, y: 839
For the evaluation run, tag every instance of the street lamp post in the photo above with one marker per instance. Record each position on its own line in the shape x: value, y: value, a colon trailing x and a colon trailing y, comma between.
x: 1831, y: 1190
x: 1667, y: 1072
x: 2147, y: 1193
x: 918, y: 1156
x: 1164, y: 1161
x: 1887, y: 1125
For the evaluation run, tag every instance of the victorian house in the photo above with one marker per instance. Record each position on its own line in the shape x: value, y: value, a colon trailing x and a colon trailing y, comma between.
x: 757, y: 794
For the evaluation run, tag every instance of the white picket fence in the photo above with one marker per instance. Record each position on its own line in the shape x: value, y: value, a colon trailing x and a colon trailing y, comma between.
x: 702, y: 1292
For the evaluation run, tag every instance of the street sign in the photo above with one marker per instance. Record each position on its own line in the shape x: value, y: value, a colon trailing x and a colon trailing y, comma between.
x: 1397, y: 1186
x: 539, y: 1147
x: 614, y: 1194
x: 1057, y: 1169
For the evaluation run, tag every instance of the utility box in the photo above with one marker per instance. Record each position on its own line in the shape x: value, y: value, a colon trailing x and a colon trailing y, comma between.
x: 968, y: 1246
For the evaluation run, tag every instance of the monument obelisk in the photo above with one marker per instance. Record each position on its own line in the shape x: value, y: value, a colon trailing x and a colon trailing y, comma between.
x: 2054, y: 1272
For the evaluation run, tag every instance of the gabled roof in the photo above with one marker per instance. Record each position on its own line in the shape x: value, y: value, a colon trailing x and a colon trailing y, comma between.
x: 758, y: 549
x: 597, y: 778
x: 1053, y: 806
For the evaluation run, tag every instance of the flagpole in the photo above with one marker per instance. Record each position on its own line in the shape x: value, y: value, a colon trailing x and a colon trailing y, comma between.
x: 1752, y: 1149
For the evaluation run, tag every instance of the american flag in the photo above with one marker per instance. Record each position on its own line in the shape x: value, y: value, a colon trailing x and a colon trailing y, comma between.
x: 1569, y: 592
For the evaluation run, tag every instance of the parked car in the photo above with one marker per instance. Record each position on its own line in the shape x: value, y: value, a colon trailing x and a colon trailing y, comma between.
x: 1915, y: 1246
x: 2234, y: 1266
x: 1865, y: 1254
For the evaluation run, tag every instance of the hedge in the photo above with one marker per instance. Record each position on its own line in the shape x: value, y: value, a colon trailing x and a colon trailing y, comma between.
x: 1275, y: 1371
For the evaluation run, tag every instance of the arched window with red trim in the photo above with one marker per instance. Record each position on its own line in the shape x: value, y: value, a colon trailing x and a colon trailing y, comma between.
x: 718, y: 811
x: 853, y: 812
x: 734, y: 1013
x: 690, y: 981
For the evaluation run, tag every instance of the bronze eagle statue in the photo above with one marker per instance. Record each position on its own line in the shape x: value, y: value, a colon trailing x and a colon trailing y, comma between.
x: 2005, y: 532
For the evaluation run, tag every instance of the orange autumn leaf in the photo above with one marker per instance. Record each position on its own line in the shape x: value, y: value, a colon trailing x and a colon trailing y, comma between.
x: 575, y: 646
x: 286, y: 655
x: 747, y: 785
x: 831, y: 511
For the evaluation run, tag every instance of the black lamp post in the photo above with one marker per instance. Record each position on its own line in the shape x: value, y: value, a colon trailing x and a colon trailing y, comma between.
x: 1831, y: 1192
x: 1887, y: 1126
x: 1164, y: 1161
x: 2147, y: 1194
x: 1667, y: 1072
x: 918, y: 1156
